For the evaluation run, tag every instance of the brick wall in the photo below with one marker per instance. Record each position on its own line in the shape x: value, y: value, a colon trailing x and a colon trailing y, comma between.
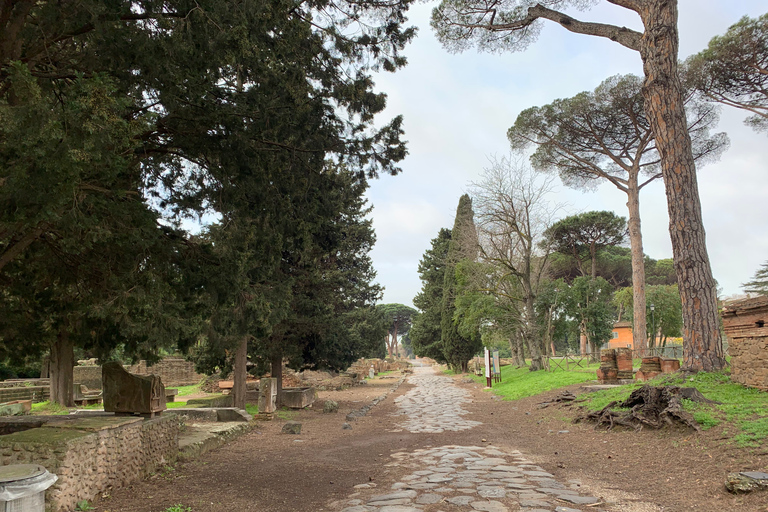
x: 93, y: 454
x: 746, y: 324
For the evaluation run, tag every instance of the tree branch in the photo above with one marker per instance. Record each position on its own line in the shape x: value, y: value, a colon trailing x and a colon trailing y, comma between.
x: 621, y: 35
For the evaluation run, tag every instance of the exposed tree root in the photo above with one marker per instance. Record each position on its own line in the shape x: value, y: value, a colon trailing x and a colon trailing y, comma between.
x: 650, y: 406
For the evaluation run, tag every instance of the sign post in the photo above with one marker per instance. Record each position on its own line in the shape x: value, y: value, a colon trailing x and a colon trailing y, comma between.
x: 496, y: 366
x: 488, y: 367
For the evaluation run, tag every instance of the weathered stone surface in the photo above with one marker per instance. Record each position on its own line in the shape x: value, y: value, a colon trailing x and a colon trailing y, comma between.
x: 128, y: 393
x: 578, y: 500
x: 267, y: 395
x: 330, y: 406
x: 744, y: 482
x: 489, y: 506
x: 299, y: 398
x: 291, y: 427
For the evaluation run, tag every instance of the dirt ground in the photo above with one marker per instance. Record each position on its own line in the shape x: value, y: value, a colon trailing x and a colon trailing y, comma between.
x: 268, y: 471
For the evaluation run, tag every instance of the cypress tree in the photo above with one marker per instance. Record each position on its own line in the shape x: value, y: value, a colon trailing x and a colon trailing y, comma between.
x: 457, y: 349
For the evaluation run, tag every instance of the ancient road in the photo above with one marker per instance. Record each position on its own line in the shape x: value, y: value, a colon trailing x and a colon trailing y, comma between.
x: 439, y: 443
x: 471, y: 478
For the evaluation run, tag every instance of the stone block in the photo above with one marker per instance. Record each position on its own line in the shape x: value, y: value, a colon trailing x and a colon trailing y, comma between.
x: 212, y: 401
x: 267, y: 395
x: 298, y: 398
x: 126, y: 393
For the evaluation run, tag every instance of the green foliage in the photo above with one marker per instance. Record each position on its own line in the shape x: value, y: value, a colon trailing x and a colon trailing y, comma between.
x: 581, y: 236
x: 426, y: 331
x: 107, y: 144
x: 188, y: 390
x: 733, y: 70
x: 517, y: 383
x: 589, y: 302
x: 759, y: 282
x: 458, y: 349
x: 666, y: 319
x: 745, y: 410
x: 178, y: 508
x: 48, y: 408
x: 84, y: 505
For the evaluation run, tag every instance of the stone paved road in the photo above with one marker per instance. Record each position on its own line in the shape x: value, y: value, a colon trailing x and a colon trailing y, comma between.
x: 434, y: 404
x: 460, y: 478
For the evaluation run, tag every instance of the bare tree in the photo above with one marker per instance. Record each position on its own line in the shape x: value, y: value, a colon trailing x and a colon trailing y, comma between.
x: 511, y: 214
x: 495, y: 25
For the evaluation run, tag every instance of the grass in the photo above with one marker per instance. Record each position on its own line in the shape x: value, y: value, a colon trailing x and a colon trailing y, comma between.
x: 741, y: 409
x: 47, y: 408
x: 194, y: 389
x: 519, y: 383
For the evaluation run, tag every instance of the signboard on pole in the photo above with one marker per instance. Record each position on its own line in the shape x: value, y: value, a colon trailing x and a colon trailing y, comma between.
x: 488, y: 367
x: 496, y: 367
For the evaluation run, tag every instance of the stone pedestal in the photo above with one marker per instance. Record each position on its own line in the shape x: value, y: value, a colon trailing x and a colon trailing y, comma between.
x: 267, y: 397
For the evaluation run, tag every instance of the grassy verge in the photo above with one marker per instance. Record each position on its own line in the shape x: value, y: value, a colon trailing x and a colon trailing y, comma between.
x: 47, y: 408
x: 194, y: 389
x: 519, y: 383
x: 743, y: 412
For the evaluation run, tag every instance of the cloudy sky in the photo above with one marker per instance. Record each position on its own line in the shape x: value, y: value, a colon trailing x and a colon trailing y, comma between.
x: 458, y: 107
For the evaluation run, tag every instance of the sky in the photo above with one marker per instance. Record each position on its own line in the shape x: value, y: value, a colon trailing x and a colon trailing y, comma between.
x: 457, y: 109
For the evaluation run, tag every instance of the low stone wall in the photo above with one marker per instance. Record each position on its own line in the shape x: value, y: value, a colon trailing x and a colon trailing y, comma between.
x: 21, y: 392
x: 90, y: 455
x: 88, y: 376
x: 173, y: 371
x: 745, y: 322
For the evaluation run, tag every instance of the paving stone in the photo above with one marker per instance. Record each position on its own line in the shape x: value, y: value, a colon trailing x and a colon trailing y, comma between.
x: 533, y: 503
x: 566, y: 509
x: 489, y: 506
x: 461, y: 500
x: 428, y: 499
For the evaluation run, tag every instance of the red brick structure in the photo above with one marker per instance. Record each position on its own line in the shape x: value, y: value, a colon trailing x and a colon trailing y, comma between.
x: 745, y: 324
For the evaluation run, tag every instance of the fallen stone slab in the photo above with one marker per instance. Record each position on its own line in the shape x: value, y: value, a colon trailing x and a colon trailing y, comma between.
x: 746, y: 481
x: 578, y: 500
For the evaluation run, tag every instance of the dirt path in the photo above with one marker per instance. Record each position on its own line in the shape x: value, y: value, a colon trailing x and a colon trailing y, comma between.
x: 434, y: 425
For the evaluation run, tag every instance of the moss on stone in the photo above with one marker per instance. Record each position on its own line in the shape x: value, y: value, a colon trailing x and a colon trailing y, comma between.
x: 43, y: 435
x: 98, y: 423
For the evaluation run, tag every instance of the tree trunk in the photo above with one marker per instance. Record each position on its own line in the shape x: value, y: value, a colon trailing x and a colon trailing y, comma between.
x: 702, y: 346
x: 393, y: 351
x: 240, y: 371
x: 62, y: 364
x: 277, y: 373
x: 639, y: 328
x: 534, y: 345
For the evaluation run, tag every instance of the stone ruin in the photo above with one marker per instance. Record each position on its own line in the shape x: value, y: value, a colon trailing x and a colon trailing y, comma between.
x: 616, y: 366
x: 125, y: 393
x: 744, y: 322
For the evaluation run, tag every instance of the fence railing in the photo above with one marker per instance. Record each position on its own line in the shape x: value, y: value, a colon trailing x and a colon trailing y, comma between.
x: 567, y: 362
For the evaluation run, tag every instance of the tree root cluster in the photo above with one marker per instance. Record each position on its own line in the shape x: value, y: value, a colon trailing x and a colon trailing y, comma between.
x: 564, y: 397
x: 650, y: 406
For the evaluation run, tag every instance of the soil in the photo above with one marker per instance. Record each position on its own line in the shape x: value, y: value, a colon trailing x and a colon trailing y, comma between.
x: 266, y: 471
